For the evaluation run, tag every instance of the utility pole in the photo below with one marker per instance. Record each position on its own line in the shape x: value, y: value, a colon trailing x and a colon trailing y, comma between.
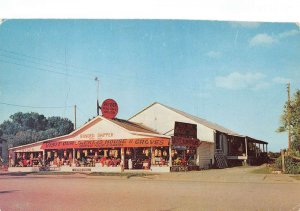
x: 97, y: 80
x: 289, y: 115
x: 74, y: 117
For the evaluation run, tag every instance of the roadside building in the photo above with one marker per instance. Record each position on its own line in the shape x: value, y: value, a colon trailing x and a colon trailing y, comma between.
x: 157, y: 139
x: 219, y: 146
x: 101, y: 145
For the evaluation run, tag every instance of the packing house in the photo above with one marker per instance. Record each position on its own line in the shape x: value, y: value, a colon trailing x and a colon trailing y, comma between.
x: 157, y: 139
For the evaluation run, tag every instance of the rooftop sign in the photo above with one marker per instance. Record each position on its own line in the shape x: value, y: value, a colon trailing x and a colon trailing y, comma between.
x: 185, y: 130
x: 109, y: 108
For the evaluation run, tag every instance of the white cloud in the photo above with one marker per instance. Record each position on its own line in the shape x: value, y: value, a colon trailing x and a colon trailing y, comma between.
x: 244, y: 24
x: 260, y: 85
x: 262, y: 39
x: 214, y: 54
x: 289, y: 33
x: 236, y: 81
x: 281, y: 80
x: 265, y: 39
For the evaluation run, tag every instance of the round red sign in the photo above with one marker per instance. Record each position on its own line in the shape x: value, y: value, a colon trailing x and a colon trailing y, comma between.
x: 109, y: 108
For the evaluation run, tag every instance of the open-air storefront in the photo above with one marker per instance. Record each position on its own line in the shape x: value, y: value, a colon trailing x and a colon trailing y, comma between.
x: 146, y: 157
x: 97, y: 155
x: 28, y: 159
x: 104, y: 145
x: 184, y: 153
x: 113, y: 155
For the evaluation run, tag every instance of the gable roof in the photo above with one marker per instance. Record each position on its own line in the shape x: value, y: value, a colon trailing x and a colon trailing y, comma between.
x: 132, y: 126
x: 199, y: 120
x: 204, y: 122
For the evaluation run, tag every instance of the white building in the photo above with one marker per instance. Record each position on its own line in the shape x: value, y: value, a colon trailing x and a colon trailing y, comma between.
x: 214, y: 138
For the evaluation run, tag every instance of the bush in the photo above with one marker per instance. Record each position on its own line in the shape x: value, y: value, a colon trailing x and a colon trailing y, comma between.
x: 291, y: 166
x: 278, y: 164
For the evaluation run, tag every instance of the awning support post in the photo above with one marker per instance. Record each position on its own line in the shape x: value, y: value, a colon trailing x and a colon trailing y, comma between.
x: 246, y: 150
x: 122, y: 159
x: 170, y: 153
x: 73, y: 159
x: 43, y: 157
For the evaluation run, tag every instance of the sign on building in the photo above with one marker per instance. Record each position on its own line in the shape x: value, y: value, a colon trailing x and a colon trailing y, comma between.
x: 185, y: 130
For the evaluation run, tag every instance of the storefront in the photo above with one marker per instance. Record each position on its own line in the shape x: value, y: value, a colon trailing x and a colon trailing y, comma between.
x: 108, y: 144
x: 101, y: 145
x: 184, y: 153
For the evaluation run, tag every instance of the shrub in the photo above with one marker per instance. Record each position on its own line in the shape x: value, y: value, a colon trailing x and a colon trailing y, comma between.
x: 277, y: 164
x: 291, y: 166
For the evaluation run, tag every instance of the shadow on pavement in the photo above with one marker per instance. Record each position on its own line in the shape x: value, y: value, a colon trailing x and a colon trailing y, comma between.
x: 8, y: 191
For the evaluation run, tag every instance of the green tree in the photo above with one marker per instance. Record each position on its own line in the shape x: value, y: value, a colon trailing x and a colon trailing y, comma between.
x: 25, y: 128
x: 291, y: 116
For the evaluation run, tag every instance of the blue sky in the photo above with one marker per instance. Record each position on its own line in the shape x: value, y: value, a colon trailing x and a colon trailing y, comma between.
x: 231, y: 73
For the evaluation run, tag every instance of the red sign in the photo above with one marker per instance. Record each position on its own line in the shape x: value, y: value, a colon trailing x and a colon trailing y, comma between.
x: 109, y: 108
x: 182, y: 141
x: 141, y: 142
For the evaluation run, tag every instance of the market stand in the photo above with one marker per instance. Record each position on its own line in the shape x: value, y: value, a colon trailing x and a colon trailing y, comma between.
x: 108, y: 144
x: 101, y: 145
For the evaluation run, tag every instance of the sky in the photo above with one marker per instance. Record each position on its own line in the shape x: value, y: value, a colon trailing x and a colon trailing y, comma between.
x: 230, y: 73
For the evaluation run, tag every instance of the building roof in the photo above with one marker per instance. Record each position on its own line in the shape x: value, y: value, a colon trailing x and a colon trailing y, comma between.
x: 132, y: 126
x: 125, y: 124
x: 199, y: 120
x: 203, y: 121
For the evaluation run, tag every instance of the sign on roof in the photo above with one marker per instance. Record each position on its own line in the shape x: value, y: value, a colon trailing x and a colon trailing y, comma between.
x: 185, y: 130
x: 109, y: 108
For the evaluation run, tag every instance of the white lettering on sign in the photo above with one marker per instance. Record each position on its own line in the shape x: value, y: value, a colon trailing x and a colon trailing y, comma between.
x: 87, y: 136
x: 94, y: 136
x: 104, y: 135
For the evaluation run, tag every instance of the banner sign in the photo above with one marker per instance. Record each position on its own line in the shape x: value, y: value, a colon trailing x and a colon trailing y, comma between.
x: 186, y: 130
x: 182, y: 141
x: 141, y: 142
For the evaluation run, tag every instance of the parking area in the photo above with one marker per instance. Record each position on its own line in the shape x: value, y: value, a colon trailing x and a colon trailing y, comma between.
x: 226, y: 189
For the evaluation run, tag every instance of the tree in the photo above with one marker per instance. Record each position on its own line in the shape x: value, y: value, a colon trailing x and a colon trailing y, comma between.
x: 291, y: 117
x: 25, y: 128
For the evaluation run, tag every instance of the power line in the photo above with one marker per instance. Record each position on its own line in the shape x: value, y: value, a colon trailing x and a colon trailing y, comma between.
x: 26, y: 106
x: 39, y: 68
x: 87, y: 75
x: 62, y: 64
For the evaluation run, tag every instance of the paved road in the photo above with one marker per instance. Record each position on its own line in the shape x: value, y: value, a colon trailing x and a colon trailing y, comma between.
x: 228, y: 189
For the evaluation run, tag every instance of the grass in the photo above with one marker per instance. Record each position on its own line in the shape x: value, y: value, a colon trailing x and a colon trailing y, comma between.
x: 297, y: 177
x: 262, y: 170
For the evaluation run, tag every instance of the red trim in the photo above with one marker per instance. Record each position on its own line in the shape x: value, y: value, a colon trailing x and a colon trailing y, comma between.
x: 77, y: 144
x: 182, y: 141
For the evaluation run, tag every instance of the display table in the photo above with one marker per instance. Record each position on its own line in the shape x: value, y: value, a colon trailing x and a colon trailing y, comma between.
x: 159, y: 168
x: 23, y: 169
x: 91, y: 169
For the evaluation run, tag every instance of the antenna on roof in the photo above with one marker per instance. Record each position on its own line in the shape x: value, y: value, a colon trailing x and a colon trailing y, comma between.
x: 97, y: 80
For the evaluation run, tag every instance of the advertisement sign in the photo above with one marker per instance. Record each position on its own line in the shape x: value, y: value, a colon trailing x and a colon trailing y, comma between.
x: 141, y: 142
x: 182, y: 141
x: 186, y: 130
x: 109, y: 108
